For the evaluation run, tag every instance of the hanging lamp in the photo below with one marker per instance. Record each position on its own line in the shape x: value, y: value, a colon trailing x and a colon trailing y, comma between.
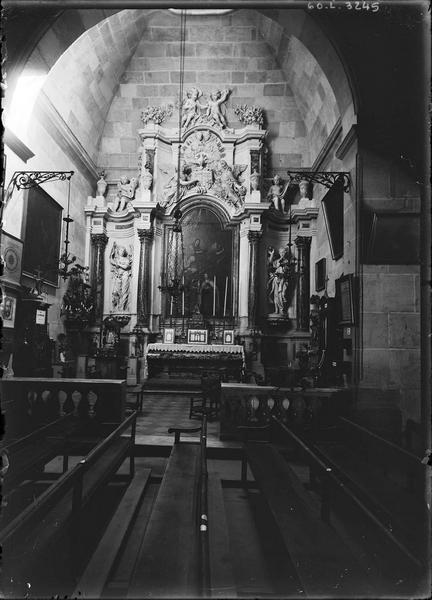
x: 173, y: 280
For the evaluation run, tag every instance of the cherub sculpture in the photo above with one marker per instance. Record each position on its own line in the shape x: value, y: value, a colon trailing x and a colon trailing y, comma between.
x: 125, y: 192
x: 214, y: 113
x: 276, y: 193
x: 191, y: 107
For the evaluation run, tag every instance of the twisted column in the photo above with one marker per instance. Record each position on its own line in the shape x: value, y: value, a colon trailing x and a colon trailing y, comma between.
x: 143, y: 301
x: 99, y: 242
x: 303, y: 244
x: 254, y: 238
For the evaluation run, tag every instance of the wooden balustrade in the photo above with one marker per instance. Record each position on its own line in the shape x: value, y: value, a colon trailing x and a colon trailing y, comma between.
x: 28, y: 403
x: 253, y: 405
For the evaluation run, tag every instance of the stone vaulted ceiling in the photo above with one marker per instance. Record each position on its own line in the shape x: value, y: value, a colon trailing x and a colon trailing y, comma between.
x: 128, y: 59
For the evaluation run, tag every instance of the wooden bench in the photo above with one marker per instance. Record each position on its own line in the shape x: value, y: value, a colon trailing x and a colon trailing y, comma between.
x: 60, y: 508
x: 29, y: 454
x: 386, y: 478
x: 169, y: 557
x: 95, y: 576
x: 323, y: 562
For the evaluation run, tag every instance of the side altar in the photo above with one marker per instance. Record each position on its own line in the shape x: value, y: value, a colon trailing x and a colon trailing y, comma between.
x: 237, y: 255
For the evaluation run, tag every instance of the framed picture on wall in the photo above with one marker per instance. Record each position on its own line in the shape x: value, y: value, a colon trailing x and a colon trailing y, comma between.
x: 345, y: 295
x: 228, y: 336
x: 197, y: 336
x: 11, y: 250
x: 320, y: 275
x: 42, y: 235
x: 169, y: 335
x: 333, y: 211
x: 8, y: 310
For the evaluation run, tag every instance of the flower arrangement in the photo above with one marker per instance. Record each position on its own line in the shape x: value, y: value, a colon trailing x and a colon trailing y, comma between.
x: 157, y: 114
x: 249, y: 114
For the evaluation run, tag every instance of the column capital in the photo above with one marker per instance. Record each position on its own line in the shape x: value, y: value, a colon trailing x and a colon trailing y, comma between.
x: 303, y: 241
x: 145, y: 234
x: 254, y: 236
x: 99, y: 239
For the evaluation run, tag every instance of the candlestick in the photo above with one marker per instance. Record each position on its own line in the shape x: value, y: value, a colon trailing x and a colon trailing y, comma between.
x: 225, y: 298
x: 183, y: 299
x: 214, y: 295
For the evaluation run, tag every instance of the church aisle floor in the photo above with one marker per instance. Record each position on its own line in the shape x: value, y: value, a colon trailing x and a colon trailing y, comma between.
x: 162, y: 411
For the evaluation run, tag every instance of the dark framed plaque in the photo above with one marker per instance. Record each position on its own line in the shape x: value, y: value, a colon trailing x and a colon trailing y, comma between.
x: 320, y: 274
x: 345, y: 295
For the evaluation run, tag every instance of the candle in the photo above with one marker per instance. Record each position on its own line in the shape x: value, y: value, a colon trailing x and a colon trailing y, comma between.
x: 225, y: 298
x: 214, y: 295
x: 171, y: 306
x: 183, y: 299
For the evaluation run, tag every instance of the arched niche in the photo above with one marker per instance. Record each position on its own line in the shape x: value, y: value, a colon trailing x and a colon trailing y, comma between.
x: 209, y: 263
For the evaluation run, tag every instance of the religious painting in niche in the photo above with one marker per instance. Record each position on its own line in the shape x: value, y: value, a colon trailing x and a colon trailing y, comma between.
x: 42, y: 235
x: 333, y: 209
x: 207, y: 264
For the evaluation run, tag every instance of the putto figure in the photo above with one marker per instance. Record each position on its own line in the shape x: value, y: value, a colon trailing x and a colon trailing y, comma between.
x: 214, y: 113
x: 191, y: 107
x: 125, y: 192
x: 276, y: 193
x: 121, y: 266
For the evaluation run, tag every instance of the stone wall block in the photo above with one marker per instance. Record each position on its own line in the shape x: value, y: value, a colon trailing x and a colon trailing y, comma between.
x: 128, y: 145
x: 147, y: 49
x: 375, y: 330
x: 238, y: 77
x: 144, y: 91
x: 274, y: 89
x: 214, y: 49
x: 404, y: 330
x: 376, y: 367
x: 152, y: 77
x: 405, y: 368
x: 238, y: 34
x: 164, y: 34
x: 189, y: 77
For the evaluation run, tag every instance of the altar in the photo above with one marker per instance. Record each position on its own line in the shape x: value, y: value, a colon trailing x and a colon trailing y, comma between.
x: 193, y: 360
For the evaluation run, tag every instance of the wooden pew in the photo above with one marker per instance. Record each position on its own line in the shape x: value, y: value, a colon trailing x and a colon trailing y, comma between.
x: 60, y: 508
x: 95, y: 576
x: 387, y: 479
x: 324, y: 564
x: 168, y: 564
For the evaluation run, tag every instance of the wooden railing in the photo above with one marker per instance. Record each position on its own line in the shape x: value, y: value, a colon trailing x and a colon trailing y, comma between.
x: 253, y: 405
x: 28, y: 403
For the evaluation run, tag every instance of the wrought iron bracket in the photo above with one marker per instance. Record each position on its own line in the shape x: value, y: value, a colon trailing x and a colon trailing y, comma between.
x: 325, y: 178
x: 28, y: 179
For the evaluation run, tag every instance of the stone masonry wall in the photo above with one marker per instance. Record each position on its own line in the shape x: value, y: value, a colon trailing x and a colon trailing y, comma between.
x: 221, y: 52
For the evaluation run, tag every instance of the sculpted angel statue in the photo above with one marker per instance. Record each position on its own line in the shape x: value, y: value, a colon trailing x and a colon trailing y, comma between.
x: 125, y: 192
x: 276, y: 193
x: 214, y: 113
x: 170, y: 188
x: 121, y: 266
x: 228, y: 185
x: 191, y: 107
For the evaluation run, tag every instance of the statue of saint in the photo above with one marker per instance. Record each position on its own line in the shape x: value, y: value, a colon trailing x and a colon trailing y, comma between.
x: 125, y: 192
x: 276, y: 193
x: 121, y: 266
x: 214, y: 113
x: 277, y: 283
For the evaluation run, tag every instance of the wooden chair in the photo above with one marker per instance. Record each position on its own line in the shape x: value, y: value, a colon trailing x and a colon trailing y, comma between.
x: 208, y: 400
